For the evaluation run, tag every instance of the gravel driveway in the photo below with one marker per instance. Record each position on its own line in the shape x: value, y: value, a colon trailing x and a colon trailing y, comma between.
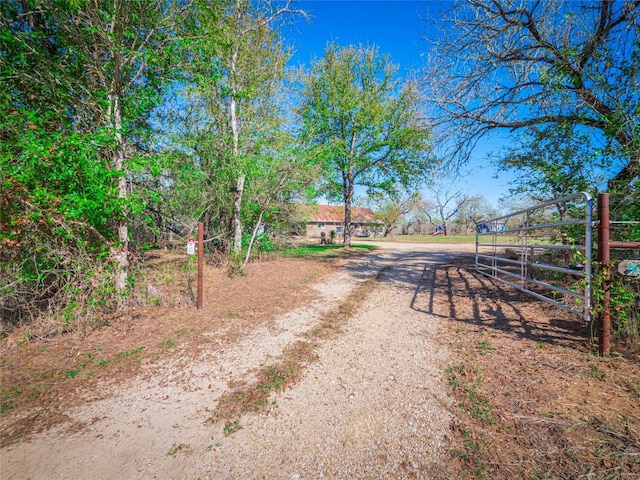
x: 372, y: 406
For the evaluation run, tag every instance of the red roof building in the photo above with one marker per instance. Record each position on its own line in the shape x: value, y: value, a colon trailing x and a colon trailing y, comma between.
x: 325, y: 218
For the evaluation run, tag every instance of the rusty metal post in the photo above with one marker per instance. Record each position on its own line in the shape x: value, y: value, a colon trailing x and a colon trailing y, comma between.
x: 200, y: 262
x: 604, y: 256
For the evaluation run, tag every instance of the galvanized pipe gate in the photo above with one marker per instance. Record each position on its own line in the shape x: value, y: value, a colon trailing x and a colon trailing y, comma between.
x: 529, y: 248
x: 524, y: 246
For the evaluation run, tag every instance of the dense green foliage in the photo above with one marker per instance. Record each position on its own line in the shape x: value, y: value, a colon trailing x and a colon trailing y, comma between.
x: 94, y: 162
x: 552, y: 162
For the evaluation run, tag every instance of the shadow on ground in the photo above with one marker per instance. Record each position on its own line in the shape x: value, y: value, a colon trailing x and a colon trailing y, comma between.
x: 454, y: 290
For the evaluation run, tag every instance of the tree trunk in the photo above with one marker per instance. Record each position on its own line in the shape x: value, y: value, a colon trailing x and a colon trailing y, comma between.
x: 253, y: 238
x: 233, y: 118
x: 237, y: 220
x: 347, y: 213
x: 114, y: 114
x: 347, y: 224
x: 121, y: 252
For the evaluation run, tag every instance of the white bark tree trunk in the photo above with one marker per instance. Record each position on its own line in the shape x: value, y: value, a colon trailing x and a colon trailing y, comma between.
x: 121, y: 252
x: 233, y: 118
x: 237, y: 221
x: 253, y: 238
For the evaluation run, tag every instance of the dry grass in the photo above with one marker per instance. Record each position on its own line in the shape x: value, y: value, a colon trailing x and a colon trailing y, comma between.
x: 287, y: 371
x: 533, y: 400
x: 40, y: 377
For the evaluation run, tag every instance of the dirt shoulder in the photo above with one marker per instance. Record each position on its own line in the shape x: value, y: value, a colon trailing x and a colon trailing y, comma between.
x: 438, y: 373
x: 533, y: 400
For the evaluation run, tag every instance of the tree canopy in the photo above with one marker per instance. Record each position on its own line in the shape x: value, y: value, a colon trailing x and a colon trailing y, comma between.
x: 510, y: 64
x: 552, y: 161
x: 90, y: 169
x: 362, y: 126
x: 81, y: 79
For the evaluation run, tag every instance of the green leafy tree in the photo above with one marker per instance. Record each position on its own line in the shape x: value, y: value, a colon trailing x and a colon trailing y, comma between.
x: 78, y: 80
x: 362, y: 126
x: 227, y: 124
x: 279, y: 176
x: 251, y: 57
x: 238, y: 137
x: 472, y: 212
x: 126, y: 47
x: 51, y: 144
x: 553, y: 161
x: 393, y: 208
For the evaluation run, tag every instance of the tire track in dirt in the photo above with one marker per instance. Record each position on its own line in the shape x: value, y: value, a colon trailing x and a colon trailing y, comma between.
x: 370, y: 407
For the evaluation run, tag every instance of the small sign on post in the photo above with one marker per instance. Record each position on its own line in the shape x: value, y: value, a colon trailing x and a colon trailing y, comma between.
x: 191, y: 246
x: 629, y: 267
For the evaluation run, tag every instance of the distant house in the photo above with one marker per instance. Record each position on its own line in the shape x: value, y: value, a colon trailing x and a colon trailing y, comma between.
x: 321, y: 219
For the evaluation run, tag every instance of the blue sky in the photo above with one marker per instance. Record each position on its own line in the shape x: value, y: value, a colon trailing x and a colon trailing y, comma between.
x: 396, y: 27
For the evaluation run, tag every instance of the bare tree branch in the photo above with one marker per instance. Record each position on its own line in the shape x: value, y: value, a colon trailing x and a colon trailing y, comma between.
x: 510, y: 64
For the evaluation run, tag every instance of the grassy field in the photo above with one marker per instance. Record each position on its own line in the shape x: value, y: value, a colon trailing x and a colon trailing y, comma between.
x: 326, y: 251
x: 450, y: 239
x: 429, y: 239
x: 323, y: 250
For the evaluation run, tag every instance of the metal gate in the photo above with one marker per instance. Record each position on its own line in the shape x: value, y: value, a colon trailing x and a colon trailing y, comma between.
x: 543, y: 251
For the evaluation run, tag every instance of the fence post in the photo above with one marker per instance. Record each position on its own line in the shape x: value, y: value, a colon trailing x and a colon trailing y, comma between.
x: 200, y: 263
x: 604, y: 256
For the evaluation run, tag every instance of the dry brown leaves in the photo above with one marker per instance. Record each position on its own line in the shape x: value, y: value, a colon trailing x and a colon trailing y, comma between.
x: 41, y: 377
x: 533, y: 400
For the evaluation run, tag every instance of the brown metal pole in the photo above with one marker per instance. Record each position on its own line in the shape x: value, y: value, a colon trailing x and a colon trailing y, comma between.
x: 604, y: 321
x: 200, y: 262
x: 624, y: 245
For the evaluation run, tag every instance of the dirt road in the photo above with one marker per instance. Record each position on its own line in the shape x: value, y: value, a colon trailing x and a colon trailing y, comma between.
x: 372, y: 406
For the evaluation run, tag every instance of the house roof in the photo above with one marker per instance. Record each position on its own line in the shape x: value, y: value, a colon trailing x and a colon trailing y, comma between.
x: 335, y: 214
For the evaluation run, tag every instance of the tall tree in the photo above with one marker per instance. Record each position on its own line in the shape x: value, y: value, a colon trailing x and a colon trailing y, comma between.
x: 362, y: 126
x: 82, y: 77
x: 443, y: 205
x: 552, y: 161
x: 244, y: 117
x: 509, y: 64
x: 125, y: 45
x: 278, y: 176
x: 392, y: 208
x: 475, y: 210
